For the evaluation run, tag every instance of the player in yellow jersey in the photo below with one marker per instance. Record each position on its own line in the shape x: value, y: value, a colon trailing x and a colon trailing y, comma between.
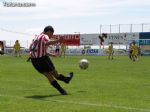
x: 135, y: 51
x: 110, y: 51
x: 17, y: 48
x: 63, y: 49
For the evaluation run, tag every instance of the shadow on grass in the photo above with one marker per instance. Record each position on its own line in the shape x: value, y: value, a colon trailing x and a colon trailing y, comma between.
x: 40, y: 97
x: 81, y: 91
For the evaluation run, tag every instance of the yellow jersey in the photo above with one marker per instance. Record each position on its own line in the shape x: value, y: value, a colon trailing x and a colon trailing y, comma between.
x: 110, y: 48
x: 63, y: 47
x: 17, y: 46
x: 134, y: 49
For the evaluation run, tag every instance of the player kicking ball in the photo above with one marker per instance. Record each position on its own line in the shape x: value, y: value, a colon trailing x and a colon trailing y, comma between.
x: 41, y: 61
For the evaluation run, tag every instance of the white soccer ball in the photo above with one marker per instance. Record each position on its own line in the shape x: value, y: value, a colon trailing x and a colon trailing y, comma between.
x: 83, y: 63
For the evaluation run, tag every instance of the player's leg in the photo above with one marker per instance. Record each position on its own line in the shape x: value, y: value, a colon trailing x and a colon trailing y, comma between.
x: 57, y: 52
x: 54, y: 83
x: 14, y: 52
x: 19, y: 53
x: 112, y: 55
x: 61, y: 52
x: 64, y: 53
x: 130, y: 56
x: 54, y: 72
x: 133, y: 57
x: 61, y: 77
x: 42, y: 65
x: 136, y: 55
x: 108, y: 55
x: 29, y: 58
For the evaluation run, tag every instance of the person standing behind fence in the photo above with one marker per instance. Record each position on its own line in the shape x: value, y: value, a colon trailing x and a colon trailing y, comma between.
x: 17, y: 48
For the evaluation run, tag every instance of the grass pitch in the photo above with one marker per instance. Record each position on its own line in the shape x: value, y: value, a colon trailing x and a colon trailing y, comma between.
x: 118, y: 85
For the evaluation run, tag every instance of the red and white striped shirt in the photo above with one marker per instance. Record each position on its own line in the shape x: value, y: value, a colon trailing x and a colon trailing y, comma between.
x: 38, y: 46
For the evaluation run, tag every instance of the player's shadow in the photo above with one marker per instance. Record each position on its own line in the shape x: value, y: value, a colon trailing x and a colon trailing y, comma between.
x: 41, y: 97
x: 81, y: 91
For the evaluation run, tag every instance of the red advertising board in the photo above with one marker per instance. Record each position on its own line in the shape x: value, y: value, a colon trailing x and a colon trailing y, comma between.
x: 70, y: 39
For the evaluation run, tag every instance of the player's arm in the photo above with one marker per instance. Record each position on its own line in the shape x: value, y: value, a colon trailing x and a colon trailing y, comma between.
x: 52, y: 54
x: 52, y: 42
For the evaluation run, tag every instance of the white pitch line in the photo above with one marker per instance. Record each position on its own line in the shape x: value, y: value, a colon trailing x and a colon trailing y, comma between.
x: 88, y: 104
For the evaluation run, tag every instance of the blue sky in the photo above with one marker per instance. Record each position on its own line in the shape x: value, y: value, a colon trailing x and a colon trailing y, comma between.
x: 69, y: 16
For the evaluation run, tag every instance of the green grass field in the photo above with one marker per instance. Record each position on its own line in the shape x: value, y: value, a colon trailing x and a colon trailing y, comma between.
x: 118, y: 85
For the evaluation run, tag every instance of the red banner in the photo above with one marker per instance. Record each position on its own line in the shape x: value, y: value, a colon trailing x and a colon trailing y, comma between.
x: 70, y: 39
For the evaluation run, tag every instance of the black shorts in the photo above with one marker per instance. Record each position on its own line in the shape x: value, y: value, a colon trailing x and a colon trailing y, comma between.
x: 43, y: 64
x: 57, y: 50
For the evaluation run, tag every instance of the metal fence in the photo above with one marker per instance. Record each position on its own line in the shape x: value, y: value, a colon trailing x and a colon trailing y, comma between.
x: 117, y: 28
x: 23, y: 43
x: 125, y: 28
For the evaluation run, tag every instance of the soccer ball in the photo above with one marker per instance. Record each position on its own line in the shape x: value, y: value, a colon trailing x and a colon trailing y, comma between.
x: 83, y: 63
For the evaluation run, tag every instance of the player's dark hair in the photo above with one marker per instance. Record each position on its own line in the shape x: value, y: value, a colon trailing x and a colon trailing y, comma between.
x: 49, y: 28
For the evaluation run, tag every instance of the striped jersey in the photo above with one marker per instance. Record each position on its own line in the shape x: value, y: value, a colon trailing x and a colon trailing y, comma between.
x: 38, y: 46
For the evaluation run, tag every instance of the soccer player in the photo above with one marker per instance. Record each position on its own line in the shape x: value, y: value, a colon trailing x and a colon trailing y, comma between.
x: 57, y: 50
x: 110, y: 51
x: 63, y: 49
x: 130, y: 51
x: 42, y: 62
x: 17, y: 48
x: 135, y: 51
x: 101, y: 41
x: 1, y: 47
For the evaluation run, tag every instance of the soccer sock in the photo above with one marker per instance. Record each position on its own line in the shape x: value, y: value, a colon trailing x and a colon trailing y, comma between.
x: 58, y: 87
x: 130, y: 57
x: 65, y: 79
x: 62, y: 78
x: 28, y: 59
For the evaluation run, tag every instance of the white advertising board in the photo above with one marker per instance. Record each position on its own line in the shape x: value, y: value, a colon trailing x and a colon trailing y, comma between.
x: 120, y: 38
x: 89, y: 39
